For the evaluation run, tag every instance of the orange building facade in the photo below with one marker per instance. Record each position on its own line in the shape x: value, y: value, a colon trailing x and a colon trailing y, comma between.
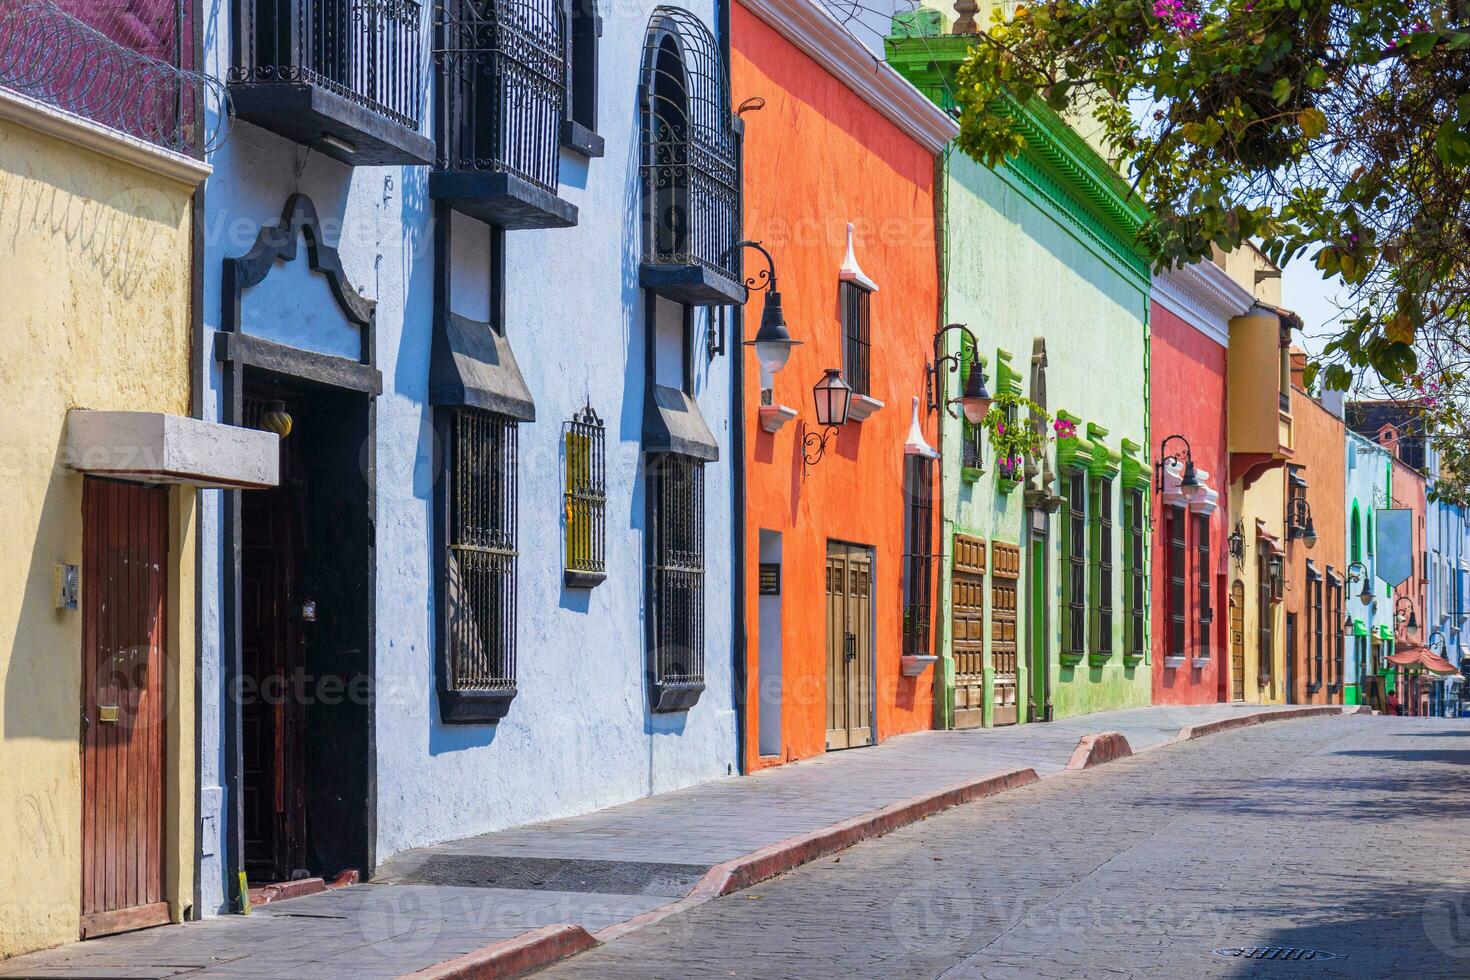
x: 841, y: 523
x: 1316, y: 551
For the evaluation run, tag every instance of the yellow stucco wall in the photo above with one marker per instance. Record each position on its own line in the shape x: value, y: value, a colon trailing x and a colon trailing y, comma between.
x: 95, y: 272
x: 1264, y: 501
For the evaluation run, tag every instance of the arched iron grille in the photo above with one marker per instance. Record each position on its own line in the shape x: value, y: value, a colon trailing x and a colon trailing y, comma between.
x: 502, y: 84
x: 690, y: 153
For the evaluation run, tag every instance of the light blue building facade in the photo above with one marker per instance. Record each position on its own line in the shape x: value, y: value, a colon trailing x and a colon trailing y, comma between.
x: 1447, y: 566
x: 496, y: 584
x: 1370, y: 634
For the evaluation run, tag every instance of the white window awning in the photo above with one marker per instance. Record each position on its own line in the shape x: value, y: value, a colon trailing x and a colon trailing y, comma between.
x: 156, y: 447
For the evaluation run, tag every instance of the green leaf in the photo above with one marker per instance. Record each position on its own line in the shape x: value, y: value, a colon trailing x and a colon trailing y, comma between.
x: 1281, y: 91
x: 1312, y: 121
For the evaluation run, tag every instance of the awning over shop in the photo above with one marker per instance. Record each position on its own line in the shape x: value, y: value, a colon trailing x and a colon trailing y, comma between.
x: 471, y: 364
x: 155, y: 447
x: 672, y: 424
x: 1417, y: 655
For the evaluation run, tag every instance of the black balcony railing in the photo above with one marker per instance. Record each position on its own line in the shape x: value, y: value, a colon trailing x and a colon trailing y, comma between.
x: 122, y: 65
x: 502, y: 84
x: 690, y: 156
x: 366, y: 51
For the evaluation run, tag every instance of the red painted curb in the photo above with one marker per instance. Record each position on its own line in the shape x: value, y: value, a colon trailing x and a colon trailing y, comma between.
x: 1094, y: 750
x: 767, y: 862
x: 512, y: 957
x: 1260, y: 717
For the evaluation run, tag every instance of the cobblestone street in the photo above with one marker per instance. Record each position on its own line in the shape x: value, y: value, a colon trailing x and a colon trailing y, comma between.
x: 1341, y: 835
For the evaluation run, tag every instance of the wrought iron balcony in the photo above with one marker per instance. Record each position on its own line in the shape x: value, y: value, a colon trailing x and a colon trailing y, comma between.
x: 121, y: 66
x: 344, y: 77
x: 690, y: 166
x: 502, y: 83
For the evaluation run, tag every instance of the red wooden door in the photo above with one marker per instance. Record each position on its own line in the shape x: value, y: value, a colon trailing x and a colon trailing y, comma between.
x: 124, y: 593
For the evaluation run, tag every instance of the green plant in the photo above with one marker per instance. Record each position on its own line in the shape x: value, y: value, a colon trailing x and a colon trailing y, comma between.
x: 1011, y: 439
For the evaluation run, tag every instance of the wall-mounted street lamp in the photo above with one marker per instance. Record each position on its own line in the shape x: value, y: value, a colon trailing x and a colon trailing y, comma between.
x: 773, y: 342
x: 1437, y: 642
x: 1189, y: 484
x: 974, y: 400
x: 1409, y: 622
x: 1236, y: 543
x: 1299, y: 522
x: 1357, y: 570
x: 832, y: 396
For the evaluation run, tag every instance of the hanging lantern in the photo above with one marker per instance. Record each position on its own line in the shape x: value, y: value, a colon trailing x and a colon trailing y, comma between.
x: 975, y: 400
x: 276, y: 419
x: 773, y: 342
x: 832, y: 396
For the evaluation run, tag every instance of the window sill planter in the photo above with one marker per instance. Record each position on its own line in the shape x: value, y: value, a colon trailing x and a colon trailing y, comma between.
x: 861, y: 407
x: 1201, y: 663
x: 668, y: 697
x: 915, y: 664
x: 474, y: 707
x: 1007, y: 485
x: 579, y: 139
x: 1172, y: 662
x: 500, y: 198
x: 575, y: 578
x: 773, y: 417
x: 971, y: 474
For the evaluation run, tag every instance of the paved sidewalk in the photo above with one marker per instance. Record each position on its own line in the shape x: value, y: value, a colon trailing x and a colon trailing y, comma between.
x: 434, y: 904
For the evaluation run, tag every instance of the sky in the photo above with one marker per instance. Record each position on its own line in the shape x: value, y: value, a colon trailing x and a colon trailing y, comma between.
x: 1304, y: 291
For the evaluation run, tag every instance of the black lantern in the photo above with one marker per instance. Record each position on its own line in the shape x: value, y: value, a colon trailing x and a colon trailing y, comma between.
x: 1189, y: 484
x: 1299, y: 521
x: 1237, y: 543
x: 1410, y: 622
x: 1358, y: 570
x: 974, y: 400
x: 773, y: 342
x: 832, y: 397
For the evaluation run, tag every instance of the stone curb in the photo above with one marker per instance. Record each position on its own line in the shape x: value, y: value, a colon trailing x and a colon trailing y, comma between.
x: 512, y: 957
x: 1098, y: 748
x: 532, y: 951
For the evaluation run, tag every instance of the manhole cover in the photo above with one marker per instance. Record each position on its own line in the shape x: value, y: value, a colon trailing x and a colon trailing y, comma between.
x: 1275, y: 953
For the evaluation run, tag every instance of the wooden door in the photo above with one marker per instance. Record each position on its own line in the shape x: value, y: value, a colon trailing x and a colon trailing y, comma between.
x: 849, y: 646
x: 1005, y: 575
x: 124, y: 597
x: 967, y: 627
x: 1237, y: 641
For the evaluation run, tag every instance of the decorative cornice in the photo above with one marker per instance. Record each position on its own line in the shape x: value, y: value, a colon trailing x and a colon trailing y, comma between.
x: 108, y: 142
x: 810, y: 27
x: 1204, y: 296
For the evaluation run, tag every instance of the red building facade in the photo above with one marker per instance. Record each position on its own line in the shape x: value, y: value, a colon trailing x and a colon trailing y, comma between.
x: 1190, y: 314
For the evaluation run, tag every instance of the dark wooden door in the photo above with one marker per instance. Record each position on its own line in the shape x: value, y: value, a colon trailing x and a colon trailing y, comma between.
x: 1005, y: 579
x: 849, y: 646
x: 124, y: 598
x: 272, y: 713
x: 1237, y: 641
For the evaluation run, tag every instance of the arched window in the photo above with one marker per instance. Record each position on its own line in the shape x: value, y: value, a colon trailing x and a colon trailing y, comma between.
x: 1356, y: 547
x: 689, y: 165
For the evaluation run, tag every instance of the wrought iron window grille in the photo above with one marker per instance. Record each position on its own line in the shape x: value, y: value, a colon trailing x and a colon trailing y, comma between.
x: 368, y: 52
x: 1075, y: 634
x: 1101, y: 499
x: 1137, y: 574
x: 502, y: 67
x: 1203, y: 586
x: 1177, y: 576
x: 676, y: 570
x: 1266, y: 622
x: 585, y: 445
x: 690, y: 164
x: 856, y: 303
x: 579, y: 116
x: 918, y: 557
x: 141, y: 87
x: 481, y: 554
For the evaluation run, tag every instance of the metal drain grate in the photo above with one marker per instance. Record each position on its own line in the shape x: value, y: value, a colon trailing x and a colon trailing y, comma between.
x: 556, y: 875
x: 1275, y: 953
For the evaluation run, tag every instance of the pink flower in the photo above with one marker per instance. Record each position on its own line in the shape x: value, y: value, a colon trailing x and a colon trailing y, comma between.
x: 1000, y: 428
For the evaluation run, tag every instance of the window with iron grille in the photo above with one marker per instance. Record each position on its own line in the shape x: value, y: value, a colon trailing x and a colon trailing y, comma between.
x: 1137, y: 575
x: 1074, y: 635
x: 676, y: 523
x: 582, y: 36
x: 1101, y: 499
x: 480, y: 564
x: 1204, y: 577
x: 856, y: 302
x: 1176, y: 573
x: 586, y: 499
x: 972, y: 455
x: 1315, y: 625
x: 689, y: 164
x: 1265, y: 626
x: 918, y: 556
x: 502, y: 87
x: 1338, y: 618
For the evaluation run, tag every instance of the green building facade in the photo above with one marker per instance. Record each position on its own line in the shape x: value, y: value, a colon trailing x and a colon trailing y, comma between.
x: 1043, y: 581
